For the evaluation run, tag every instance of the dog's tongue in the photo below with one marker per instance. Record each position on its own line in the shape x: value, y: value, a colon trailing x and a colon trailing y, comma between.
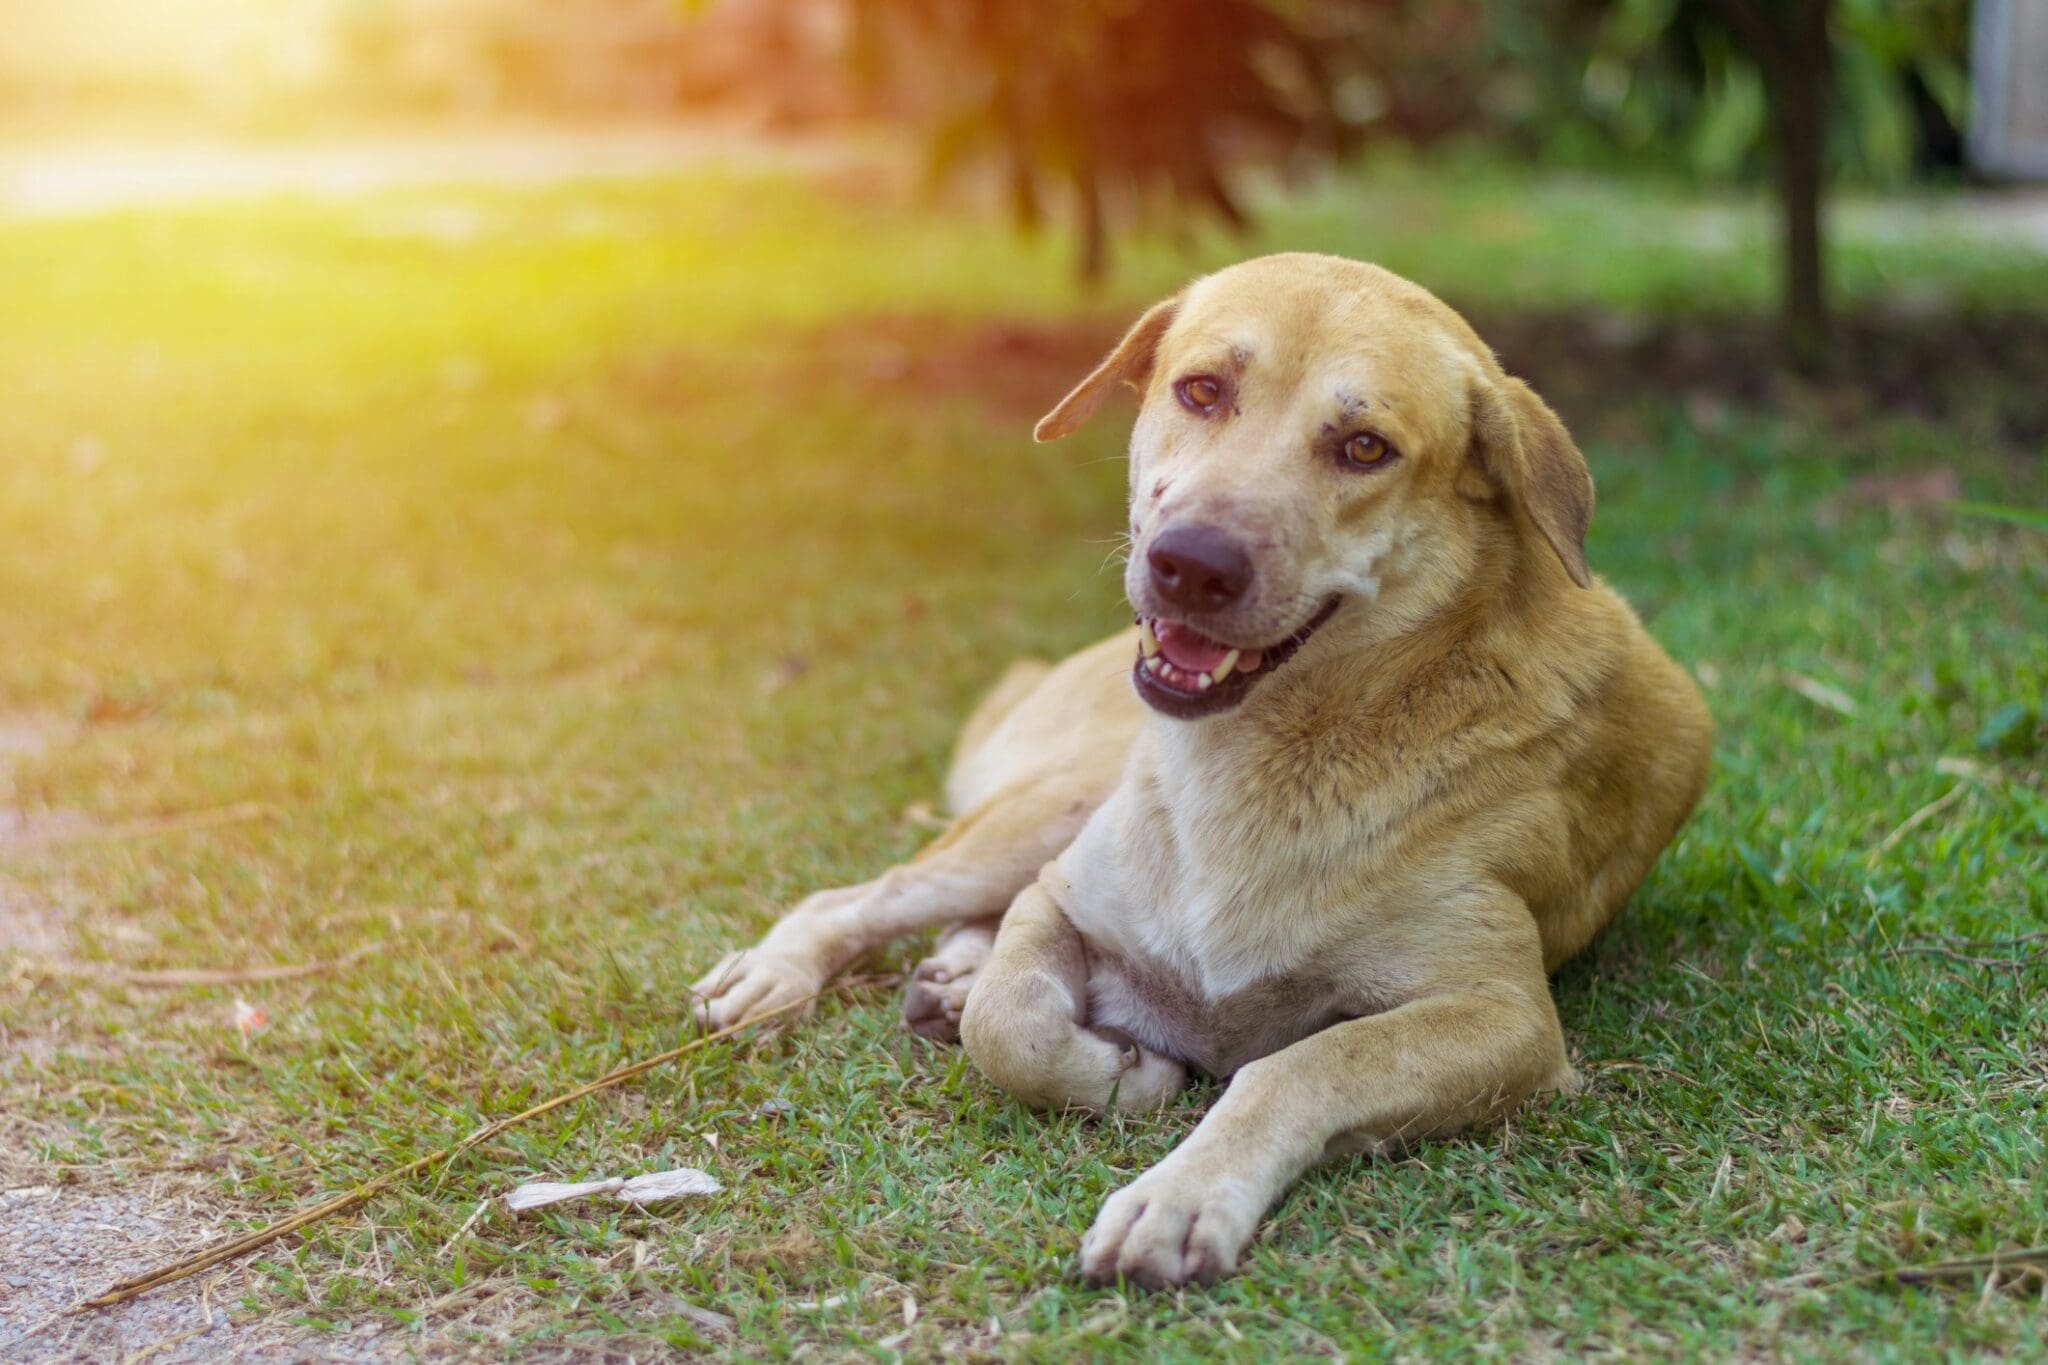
x: 1189, y: 649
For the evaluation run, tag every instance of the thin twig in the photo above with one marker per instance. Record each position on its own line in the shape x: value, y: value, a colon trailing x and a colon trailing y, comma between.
x: 2015, y: 1258
x: 1969, y: 1265
x: 207, y: 976
x: 151, y: 825
x: 1917, y: 819
x: 1642, y: 1066
x: 1951, y: 947
x: 369, y: 1189
x: 1822, y: 694
x: 163, y: 1344
x: 1937, y: 950
x: 449, y: 1245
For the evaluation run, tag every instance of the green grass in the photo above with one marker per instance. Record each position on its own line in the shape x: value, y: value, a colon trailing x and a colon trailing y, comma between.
x: 565, y: 628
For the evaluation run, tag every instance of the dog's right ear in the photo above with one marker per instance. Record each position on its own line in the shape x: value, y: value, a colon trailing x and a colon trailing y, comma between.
x: 1129, y: 363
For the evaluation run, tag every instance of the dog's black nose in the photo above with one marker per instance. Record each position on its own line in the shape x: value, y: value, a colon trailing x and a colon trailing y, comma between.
x: 1199, y: 568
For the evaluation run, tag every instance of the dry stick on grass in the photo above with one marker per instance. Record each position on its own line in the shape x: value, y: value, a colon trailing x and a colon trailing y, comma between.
x: 1952, y: 948
x: 209, y: 976
x: 1917, y: 819
x: 2031, y: 1259
x: 370, y: 1189
x: 2018, y: 1258
x: 167, y: 824
x: 1968, y: 959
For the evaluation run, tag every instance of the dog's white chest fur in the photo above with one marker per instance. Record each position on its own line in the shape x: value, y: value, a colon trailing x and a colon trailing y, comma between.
x: 1196, y: 864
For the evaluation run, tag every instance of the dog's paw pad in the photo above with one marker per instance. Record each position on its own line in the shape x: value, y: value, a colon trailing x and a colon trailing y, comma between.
x: 937, y: 990
x: 932, y: 1003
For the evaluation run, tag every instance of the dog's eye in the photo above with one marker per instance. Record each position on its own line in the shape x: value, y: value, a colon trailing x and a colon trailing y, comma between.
x: 1368, y: 450
x: 1200, y: 393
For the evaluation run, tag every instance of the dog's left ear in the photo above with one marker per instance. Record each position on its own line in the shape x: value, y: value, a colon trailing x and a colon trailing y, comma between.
x: 1523, y: 450
x: 1130, y: 363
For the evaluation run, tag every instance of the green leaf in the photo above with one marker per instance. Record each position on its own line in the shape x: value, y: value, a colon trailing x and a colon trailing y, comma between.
x: 2008, y: 730
x: 1733, y: 122
x: 2032, y: 518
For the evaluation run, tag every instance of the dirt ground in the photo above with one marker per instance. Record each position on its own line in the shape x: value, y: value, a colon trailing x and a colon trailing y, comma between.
x: 60, y: 1243
x: 67, y: 1234
x: 1936, y: 367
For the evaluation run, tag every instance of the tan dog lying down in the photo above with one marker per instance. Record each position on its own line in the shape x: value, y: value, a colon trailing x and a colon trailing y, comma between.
x: 1388, y: 755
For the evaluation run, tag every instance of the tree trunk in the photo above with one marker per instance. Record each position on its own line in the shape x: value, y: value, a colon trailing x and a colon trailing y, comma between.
x: 1801, y: 104
x: 1092, y: 239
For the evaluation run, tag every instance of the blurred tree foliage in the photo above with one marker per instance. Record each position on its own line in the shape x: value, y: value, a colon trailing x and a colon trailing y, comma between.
x: 1813, y: 88
x: 1668, y: 83
x: 1123, y: 109
x: 1120, y: 109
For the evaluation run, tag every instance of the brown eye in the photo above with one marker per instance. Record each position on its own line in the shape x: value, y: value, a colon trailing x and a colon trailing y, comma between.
x: 1200, y: 393
x: 1368, y: 450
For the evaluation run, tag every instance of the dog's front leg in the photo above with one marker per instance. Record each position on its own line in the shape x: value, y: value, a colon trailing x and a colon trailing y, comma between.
x: 1025, y: 1022
x: 1431, y: 1066
x: 970, y: 872
x: 825, y: 933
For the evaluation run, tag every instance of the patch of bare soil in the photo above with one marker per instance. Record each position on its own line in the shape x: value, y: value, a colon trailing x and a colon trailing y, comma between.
x: 59, y: 1244
x: 64, y: 1238
x: 1011, y: 369
x: 1014, y: 369
x: 1935, y: 366
x: 28, y: 928
x: 1930, y: 365
x: 25, y: 829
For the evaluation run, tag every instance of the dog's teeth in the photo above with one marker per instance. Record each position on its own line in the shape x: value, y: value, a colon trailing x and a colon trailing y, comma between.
x: 1223, y: 669
x: 1153, y: 663
x: 1201, y: 682
x: 1148, y: 643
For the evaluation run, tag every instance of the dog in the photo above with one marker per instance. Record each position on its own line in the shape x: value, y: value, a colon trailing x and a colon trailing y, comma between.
x: 1379, y: 755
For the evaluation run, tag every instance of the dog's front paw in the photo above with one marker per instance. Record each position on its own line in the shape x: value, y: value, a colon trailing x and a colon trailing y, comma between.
x: 936, y: 995
x: 1166, y: 1228
x: 751, y: 983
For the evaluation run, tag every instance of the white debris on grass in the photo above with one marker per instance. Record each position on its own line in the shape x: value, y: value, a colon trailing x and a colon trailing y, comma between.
x: 249, y: 1018
x: 640, y: 1189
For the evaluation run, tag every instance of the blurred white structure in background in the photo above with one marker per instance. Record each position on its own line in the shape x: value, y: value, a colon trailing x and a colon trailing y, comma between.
x: 60, y: 55
x: 2009, y: 89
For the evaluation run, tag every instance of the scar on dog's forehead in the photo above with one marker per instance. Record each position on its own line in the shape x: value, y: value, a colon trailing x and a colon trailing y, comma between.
x: 1347, y: 407
x: 1232, y: 354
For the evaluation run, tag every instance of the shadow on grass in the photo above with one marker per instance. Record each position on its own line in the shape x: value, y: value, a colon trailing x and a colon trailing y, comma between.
x: 1981, y: 369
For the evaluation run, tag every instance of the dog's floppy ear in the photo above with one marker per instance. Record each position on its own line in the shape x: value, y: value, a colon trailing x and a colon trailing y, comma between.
x: 1130, y: 362
x: 1525, y: 452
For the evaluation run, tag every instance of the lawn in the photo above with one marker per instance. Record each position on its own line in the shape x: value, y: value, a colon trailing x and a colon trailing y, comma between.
x: 516, y: 597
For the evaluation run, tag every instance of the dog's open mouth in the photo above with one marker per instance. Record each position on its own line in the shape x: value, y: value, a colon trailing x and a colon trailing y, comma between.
x: 1185, y: 674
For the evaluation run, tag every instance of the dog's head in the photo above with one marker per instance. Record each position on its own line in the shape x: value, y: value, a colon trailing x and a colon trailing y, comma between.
x: 1319, y: 439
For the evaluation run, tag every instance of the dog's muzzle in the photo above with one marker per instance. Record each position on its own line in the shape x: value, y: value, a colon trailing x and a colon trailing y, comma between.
x: 1185, y: 674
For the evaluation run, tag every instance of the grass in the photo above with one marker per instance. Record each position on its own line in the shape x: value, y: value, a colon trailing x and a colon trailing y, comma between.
x: 563, y: 627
